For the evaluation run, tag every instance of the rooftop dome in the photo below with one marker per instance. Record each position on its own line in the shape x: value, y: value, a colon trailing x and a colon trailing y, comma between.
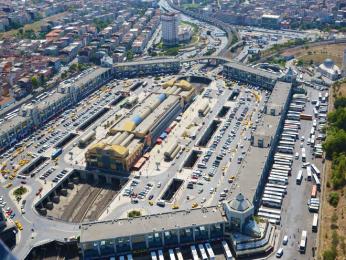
x: 240, y: 203
x: 328, y: 63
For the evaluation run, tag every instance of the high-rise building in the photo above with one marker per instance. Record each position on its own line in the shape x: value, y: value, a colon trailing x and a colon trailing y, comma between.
x: 170, y: 28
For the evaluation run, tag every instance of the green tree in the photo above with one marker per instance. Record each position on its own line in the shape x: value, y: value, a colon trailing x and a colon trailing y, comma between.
x: 340, y: 102
x: 333, y: 199
x: 329, y: 254
x: 34, y: 82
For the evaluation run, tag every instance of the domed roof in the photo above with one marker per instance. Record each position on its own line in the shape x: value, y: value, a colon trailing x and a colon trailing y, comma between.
x: 328, y: 63
x: 240, y: 203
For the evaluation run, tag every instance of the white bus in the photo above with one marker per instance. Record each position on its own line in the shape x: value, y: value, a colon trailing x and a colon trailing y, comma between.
x: 280, y: 181
x: 210, y: 251
x: 303, y: 240
x: 121, y: 257
x: 153, y: 255
x: 288, y: 138
x: 317, y: 181
x: 289, y: 135
x: 279, y: 175
x: 277, y: 190
x: 277, y: 186
x: 194, y: 253
x: 299, y: 177
x: 129, y: 257
x: 202, y: 252
x: 171, y: 254
x: 273, y: 193
x: 286, y: 143
x: 271, y: 211
x: 179, y: 254
x: 269, y: 216
x: 285, y: 149
x: 226, y: 251
x: 271, y: 202
x: 308, y: 172
x: 315, y: 222
x: 315, y: 170
x: 283, y: 156
x: 160, y: 253
x: 267, y: 196
x: 280, y: 172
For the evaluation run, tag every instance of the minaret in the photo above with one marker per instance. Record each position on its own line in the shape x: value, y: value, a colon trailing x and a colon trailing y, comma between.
x: 343, y: 72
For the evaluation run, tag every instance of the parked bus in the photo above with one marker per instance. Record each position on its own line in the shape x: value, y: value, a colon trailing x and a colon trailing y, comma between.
x: 277, y: 190
x: 179, y: 254
x: 171, y: 254
x: 315, y: 170
x: 308, y: 172
x: 210, y: 251
x: 202, y: 252
x: 315, y: 222
x: 129, y: 257
x: 226, y: 251
x: 303, y: 155
x: 153, y: 255
x: 273, y: 193
x: 303, y: 240
x: 289, y: 135
x: 194, y: 253
x: 269, y: 216
x: 271, y: 202
x: 317, y: 181
x: 285, y: 149
x: 278, y: 175
x: 276, y: 186
x: 277, y: 181
x: 299, y: 177
x: 267, y: 196
x: 283, y: 156
x: 314, y: 191
x: 121, y: 257
x: 271, y: 211
x: 160, y: 253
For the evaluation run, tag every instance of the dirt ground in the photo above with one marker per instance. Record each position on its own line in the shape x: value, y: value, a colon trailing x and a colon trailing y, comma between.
x: 329, y: 214
x: 319, y: 53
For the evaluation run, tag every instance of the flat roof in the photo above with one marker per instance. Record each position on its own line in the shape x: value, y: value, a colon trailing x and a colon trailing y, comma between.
x: 250, y: 174
x: 7, y: 125
x: 145, y: 62
x: 253, y: 70
x: 279, y: 94
x: 49, y: 100
x: 149, y: 223
x: 267, y: 126
x: 88, y: 76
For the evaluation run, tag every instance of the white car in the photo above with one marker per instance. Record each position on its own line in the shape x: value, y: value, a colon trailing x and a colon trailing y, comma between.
x: 285, y: 240
x: 280, y: 252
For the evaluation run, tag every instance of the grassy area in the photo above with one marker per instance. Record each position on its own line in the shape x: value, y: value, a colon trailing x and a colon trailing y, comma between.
x: 332, y: 236
x: 19, y: 192
x: 36, y: 26
x: 134, y: 214
x: 317, y: 54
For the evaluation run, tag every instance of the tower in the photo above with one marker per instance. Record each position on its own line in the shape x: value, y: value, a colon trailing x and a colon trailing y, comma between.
x: 343, y: 71
x: 170, y: 27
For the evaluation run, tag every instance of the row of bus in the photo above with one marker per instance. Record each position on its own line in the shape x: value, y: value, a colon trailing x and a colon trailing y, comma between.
x: 200, y: 251
x: 206, y: 252
x: 122, y: 257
